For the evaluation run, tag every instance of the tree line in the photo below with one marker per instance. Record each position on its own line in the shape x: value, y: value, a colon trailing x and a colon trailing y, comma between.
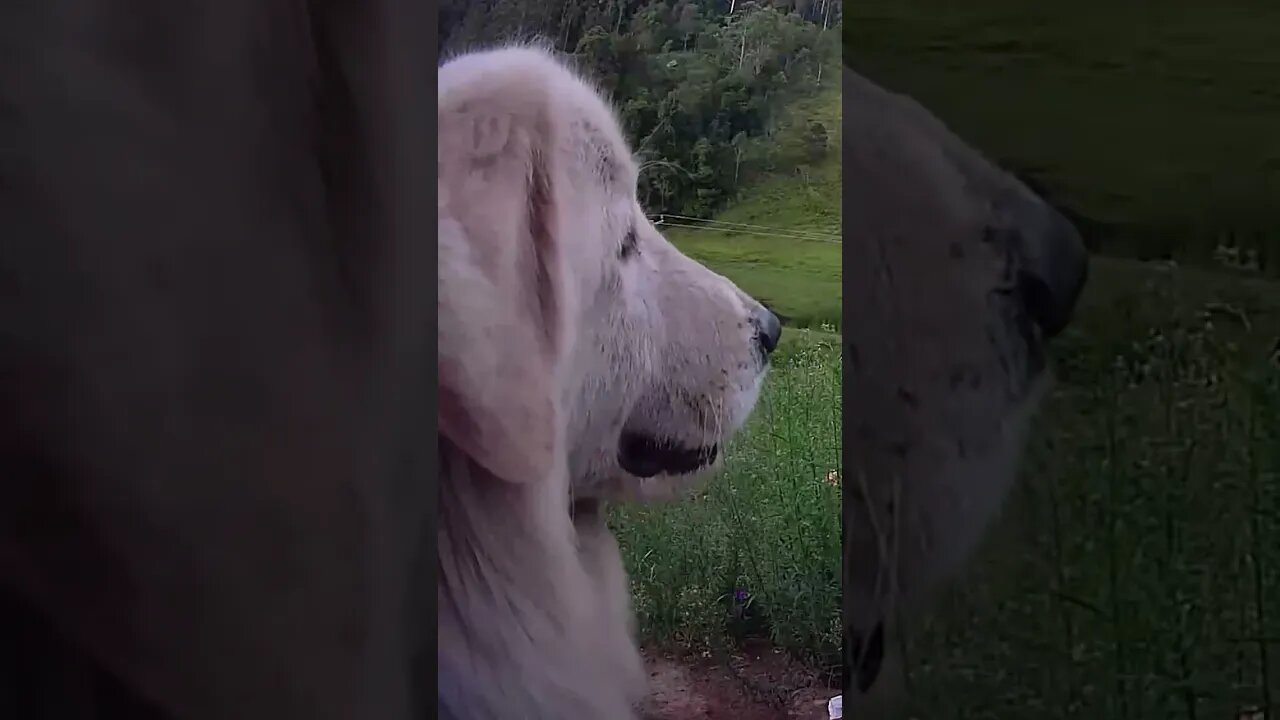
x: 700, y: 86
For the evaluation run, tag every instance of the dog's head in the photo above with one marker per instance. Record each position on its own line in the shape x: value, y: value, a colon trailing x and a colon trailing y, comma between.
x: 961, y: 276
x: 570, y: 329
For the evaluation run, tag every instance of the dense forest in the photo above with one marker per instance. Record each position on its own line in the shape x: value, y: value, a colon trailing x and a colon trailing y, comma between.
x: 701, y: 86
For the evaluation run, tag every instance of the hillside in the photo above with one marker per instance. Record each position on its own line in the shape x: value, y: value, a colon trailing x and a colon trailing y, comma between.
x: 1154, y: 124
x: 798, y: 278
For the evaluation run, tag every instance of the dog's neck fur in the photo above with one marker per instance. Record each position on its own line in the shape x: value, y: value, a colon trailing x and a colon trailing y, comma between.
x: 513, y: 600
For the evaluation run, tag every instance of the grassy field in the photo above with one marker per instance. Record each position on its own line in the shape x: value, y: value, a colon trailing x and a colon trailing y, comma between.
x: 757, y: 553
x: 1156, y: 120
x: 1136, y: 573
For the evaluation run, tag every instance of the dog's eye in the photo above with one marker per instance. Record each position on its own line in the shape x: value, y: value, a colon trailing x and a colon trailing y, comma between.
x: 629, y: 245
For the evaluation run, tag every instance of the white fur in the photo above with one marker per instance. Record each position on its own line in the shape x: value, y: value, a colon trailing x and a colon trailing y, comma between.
x: 551, y: 345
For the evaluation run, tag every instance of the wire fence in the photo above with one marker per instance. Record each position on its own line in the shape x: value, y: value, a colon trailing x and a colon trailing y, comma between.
x: 692, y: 223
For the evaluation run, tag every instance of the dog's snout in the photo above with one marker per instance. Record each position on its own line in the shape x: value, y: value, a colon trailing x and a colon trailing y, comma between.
x: 1055, y: 274
x: 768, y: 329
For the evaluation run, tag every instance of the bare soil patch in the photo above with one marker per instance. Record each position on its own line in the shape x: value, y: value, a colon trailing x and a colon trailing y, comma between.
x: 757, y: 682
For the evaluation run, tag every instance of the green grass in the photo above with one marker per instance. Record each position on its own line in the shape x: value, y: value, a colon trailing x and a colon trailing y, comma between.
x: 767, y: 530
x: 800, y: 280
x: 1158, y: 118
x: 1136, y: 573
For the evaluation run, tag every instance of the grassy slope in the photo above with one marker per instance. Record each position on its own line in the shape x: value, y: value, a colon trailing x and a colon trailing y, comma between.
x: 799, y: 279
x: 1158, y: 115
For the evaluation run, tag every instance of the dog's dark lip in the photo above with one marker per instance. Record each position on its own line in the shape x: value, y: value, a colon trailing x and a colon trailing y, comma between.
x: 645, y: 456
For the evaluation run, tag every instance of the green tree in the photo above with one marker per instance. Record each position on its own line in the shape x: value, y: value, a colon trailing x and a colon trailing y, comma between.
x: 688, y: 22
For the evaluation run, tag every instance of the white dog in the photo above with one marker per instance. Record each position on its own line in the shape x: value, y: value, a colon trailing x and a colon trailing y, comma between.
x: 583, y: 359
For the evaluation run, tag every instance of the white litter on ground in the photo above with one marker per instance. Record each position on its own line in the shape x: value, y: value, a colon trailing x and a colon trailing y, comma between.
x: 835, y: 708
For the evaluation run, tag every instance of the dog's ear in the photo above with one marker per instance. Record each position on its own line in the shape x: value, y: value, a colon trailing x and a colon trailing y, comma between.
x: 502, y: 315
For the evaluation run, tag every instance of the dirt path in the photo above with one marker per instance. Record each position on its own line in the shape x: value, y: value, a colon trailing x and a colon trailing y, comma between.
x: 756, y: 683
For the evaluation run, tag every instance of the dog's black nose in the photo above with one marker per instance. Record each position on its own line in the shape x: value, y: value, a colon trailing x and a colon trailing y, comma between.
x: 768, y: 329
x: 1055, y: 274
